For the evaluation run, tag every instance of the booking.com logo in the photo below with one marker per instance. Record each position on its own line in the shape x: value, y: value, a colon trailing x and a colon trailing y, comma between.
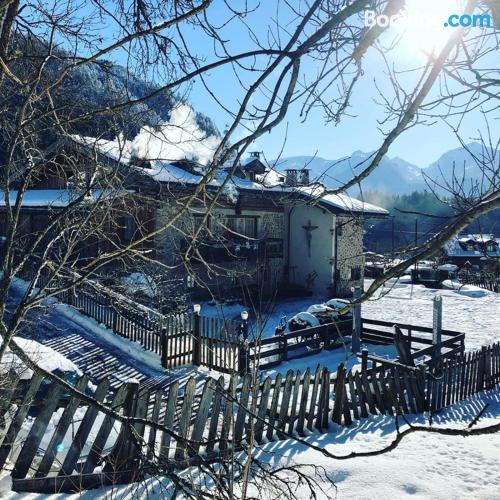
x: 453, y: 21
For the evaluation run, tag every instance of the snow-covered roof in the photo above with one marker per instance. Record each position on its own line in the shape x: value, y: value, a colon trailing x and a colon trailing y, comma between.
x: 454, y: 246
x: 271, y: 182
x: 340, y: 201
x: 56, y: 198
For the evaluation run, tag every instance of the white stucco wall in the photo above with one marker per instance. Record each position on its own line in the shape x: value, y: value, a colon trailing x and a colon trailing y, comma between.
x: 312, y: 270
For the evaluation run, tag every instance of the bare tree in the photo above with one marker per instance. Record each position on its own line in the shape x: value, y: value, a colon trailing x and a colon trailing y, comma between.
x: 43, y: 47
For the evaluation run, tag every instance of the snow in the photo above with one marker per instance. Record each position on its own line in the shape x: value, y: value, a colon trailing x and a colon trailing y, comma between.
x: 42, y: 355
x: 306, y: 319
x: 477, y: 316
x: 140, y: 282
x: 319, y: 308
x: 130, y: 348
x: 339, y: 201
x: 5, y: 484
x: 469, y: 290
x: 57, y: 198
x: 424, y: 466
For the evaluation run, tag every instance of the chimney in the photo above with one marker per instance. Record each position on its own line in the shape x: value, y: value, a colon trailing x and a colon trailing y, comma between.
x: 296, y: 177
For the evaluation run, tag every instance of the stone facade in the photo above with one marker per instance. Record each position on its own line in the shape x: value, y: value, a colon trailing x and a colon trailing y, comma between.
x: 350, y: 258
x: 312, y: 263
x: 231, y: 272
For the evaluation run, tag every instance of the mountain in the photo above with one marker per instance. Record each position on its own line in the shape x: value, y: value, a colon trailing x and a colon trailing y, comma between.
x: 393, y: 175
x: 460, y: 164
x: 92, y: 86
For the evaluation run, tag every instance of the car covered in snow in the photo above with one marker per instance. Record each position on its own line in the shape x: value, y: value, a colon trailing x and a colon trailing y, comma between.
x: 320, y: 314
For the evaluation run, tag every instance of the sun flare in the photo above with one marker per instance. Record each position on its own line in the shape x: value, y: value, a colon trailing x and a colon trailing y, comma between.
x: 423, y: 27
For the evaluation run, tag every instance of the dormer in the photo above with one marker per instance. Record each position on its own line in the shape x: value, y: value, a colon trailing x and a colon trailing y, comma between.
x: 253, y: 166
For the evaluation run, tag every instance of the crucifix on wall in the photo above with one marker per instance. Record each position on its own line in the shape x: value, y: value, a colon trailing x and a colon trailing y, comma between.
x: 309, y: 229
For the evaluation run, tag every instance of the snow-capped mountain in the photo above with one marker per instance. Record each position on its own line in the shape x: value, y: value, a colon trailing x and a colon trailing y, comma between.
x: 393, y: 175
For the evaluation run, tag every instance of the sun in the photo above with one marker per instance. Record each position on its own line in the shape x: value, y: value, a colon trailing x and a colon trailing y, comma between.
x: 422, y: 30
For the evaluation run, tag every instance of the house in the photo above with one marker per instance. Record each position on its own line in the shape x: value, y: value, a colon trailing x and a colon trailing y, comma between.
x: 477, y: 249
x: 259, y: 227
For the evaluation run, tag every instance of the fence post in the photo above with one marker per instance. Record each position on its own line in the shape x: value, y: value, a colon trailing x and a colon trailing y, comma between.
x: 356, y: 322
x: 244, y: 347
x: 437, y: 321
x: 482, y: 371
x: 488, y: 377
x: 243, y: 356
x: 114, y: 319
x: 196, y: 335
x: 283, y: 345
x: 364, y: 360
x: 164, y: 345
x: 339, y: 394
x: 124, y: 459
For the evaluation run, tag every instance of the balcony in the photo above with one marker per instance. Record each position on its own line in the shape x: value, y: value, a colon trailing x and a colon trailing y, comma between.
x: 246, y: 250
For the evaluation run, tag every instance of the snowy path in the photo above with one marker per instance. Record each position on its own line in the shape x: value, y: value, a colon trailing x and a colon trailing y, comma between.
x: 94, y: 354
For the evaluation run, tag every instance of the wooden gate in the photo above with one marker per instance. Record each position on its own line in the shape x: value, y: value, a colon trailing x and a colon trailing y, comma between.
x: 219, y: 344
x: 201, y: 341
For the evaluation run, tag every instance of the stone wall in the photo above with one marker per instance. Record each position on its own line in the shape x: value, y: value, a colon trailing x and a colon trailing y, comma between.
x: 350, y: 254
x: 169, y: 245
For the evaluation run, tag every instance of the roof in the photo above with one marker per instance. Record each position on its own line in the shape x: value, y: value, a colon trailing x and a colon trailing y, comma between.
x: 453, y: 247
x: 56, y: 198
x: 270, y: 183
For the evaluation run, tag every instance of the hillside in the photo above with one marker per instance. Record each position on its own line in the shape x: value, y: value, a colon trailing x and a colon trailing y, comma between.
x: 96, y: 86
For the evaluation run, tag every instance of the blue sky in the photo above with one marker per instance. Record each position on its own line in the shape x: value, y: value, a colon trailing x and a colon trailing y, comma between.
x: 420, y: 145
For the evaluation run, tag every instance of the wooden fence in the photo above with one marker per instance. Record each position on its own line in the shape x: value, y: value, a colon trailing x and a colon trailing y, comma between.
x: 482, y: 279
x: 419, y: 338
x: 277, y: 349
x: 65, y: 456
x: 179, y: 339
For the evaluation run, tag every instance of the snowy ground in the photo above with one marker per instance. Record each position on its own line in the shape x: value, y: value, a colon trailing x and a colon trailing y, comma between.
x: 96, y: 350
x: 478, y: 317
x: 424, y: 465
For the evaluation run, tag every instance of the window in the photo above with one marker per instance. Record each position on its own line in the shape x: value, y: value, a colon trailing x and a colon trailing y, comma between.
x: 199, y: 219
x: 355, y: 273
x: 241, y: 226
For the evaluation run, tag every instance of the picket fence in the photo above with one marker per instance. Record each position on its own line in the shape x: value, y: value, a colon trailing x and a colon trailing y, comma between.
x: 178, y: 339
x: 488, y: 281
x: 221, y: 417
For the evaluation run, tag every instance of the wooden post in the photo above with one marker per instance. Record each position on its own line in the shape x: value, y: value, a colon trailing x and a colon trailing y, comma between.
x: 437, y: 320
x: 364, y: 360
x: 481, y: 376
x: 164, y: 345
x: 244, y: 348
x: 243, y: 357
x: 197, y: 339
x: 356, y: 322
x: 339, y: 395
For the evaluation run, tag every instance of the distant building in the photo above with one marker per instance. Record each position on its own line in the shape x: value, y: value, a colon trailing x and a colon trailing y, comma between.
x: 477, y: 249
x: 280, y: 230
